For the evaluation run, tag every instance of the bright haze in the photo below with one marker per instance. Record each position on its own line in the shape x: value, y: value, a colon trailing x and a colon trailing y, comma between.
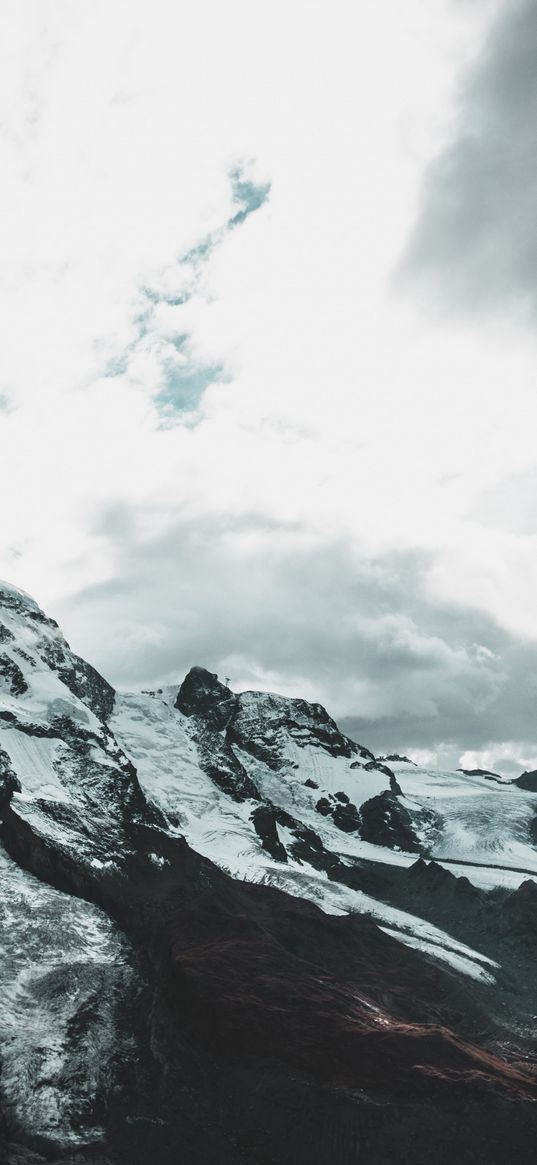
x: 268, y: 386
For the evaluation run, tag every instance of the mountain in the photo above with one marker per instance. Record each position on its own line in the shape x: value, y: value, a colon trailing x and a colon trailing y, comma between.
x: 231, y: 934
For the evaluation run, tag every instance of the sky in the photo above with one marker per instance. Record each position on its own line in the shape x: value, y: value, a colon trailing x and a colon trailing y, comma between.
x: 268, y: 391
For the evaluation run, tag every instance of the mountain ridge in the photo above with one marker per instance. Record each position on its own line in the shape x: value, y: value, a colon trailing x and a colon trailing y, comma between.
x: 233, y: 936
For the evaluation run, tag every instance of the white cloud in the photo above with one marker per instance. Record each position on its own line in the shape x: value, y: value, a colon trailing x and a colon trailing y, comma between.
x: 328, y: 405
x: 510, y: 757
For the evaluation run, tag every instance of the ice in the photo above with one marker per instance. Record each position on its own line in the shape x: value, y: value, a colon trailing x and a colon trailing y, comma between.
x: 60, y: 958
x: 482, y: 822
x: 461, y: 963
x: 159, y: 740
x: 32, y: 758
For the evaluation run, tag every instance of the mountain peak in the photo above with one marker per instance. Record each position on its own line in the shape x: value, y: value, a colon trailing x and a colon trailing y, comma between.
x: 10, y: 589
x: 249, y: 859
x: 15, y: 599
x: 202, y: 694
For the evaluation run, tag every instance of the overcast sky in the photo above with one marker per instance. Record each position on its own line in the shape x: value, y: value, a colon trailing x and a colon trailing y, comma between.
x: 268, y: 395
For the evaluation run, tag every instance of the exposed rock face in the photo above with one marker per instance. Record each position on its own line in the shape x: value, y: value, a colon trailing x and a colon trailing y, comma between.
x: 257, y: 725
x: 394, y: 756
x: 67, y: 979
x: 9, y: 782
x: 201, y: 694
x: 11, y: 677
x: 263, y: 723
x: 266, y: 826
x: 162, y: 996
x: 343, y: 813
x: 527, y: 781
x: 211, y: 707
x: 384, y: 821
x: 43, y: 643
x: 438, y: 880
x: 479, y: 773
x: 519, y: 914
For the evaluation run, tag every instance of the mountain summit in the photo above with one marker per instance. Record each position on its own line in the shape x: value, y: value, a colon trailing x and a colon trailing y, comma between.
x: 231, y: 934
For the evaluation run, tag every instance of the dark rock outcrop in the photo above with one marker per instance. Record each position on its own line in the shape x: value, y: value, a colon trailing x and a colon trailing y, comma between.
x: 210, y: 705
x: 377, y: 766
x: 517, y: 914
x: 384, y: 821
x: 262, y: 722
x: 527, y: 781
x: 266, y: 827
x: 347, y: 818
x: 394, y: 756
x: 11, y: 676
x: 202, y: 695
x: 342, y: 811
x: 436, y: 879
x: 480, y: 773
x: 9, y: 782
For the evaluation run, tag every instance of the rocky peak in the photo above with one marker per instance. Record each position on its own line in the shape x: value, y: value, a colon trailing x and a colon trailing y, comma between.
x: 434, y: 876
x: 264, y: 722
x: 518, y: 913
x: 527, y: 893
x: 34, y: 652
x: 527, y: 781
x: 202, y: 694
x: 395, y: 757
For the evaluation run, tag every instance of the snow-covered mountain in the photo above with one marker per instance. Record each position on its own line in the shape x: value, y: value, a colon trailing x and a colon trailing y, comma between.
x: 218, y: 910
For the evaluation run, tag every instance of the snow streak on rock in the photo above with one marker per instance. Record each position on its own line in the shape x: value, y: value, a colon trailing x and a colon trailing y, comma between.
x: 64, y: 972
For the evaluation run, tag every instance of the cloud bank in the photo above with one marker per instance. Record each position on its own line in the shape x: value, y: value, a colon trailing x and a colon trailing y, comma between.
x: 474, y: 246
x: 267, y: 605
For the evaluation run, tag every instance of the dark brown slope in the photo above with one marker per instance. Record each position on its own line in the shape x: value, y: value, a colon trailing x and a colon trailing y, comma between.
x: 265, y: 1012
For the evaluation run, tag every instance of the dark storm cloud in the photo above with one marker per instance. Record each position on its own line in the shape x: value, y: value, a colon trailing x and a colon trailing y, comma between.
x: 474, y: 246
x: 400, y: 671
x: 463, y: 720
